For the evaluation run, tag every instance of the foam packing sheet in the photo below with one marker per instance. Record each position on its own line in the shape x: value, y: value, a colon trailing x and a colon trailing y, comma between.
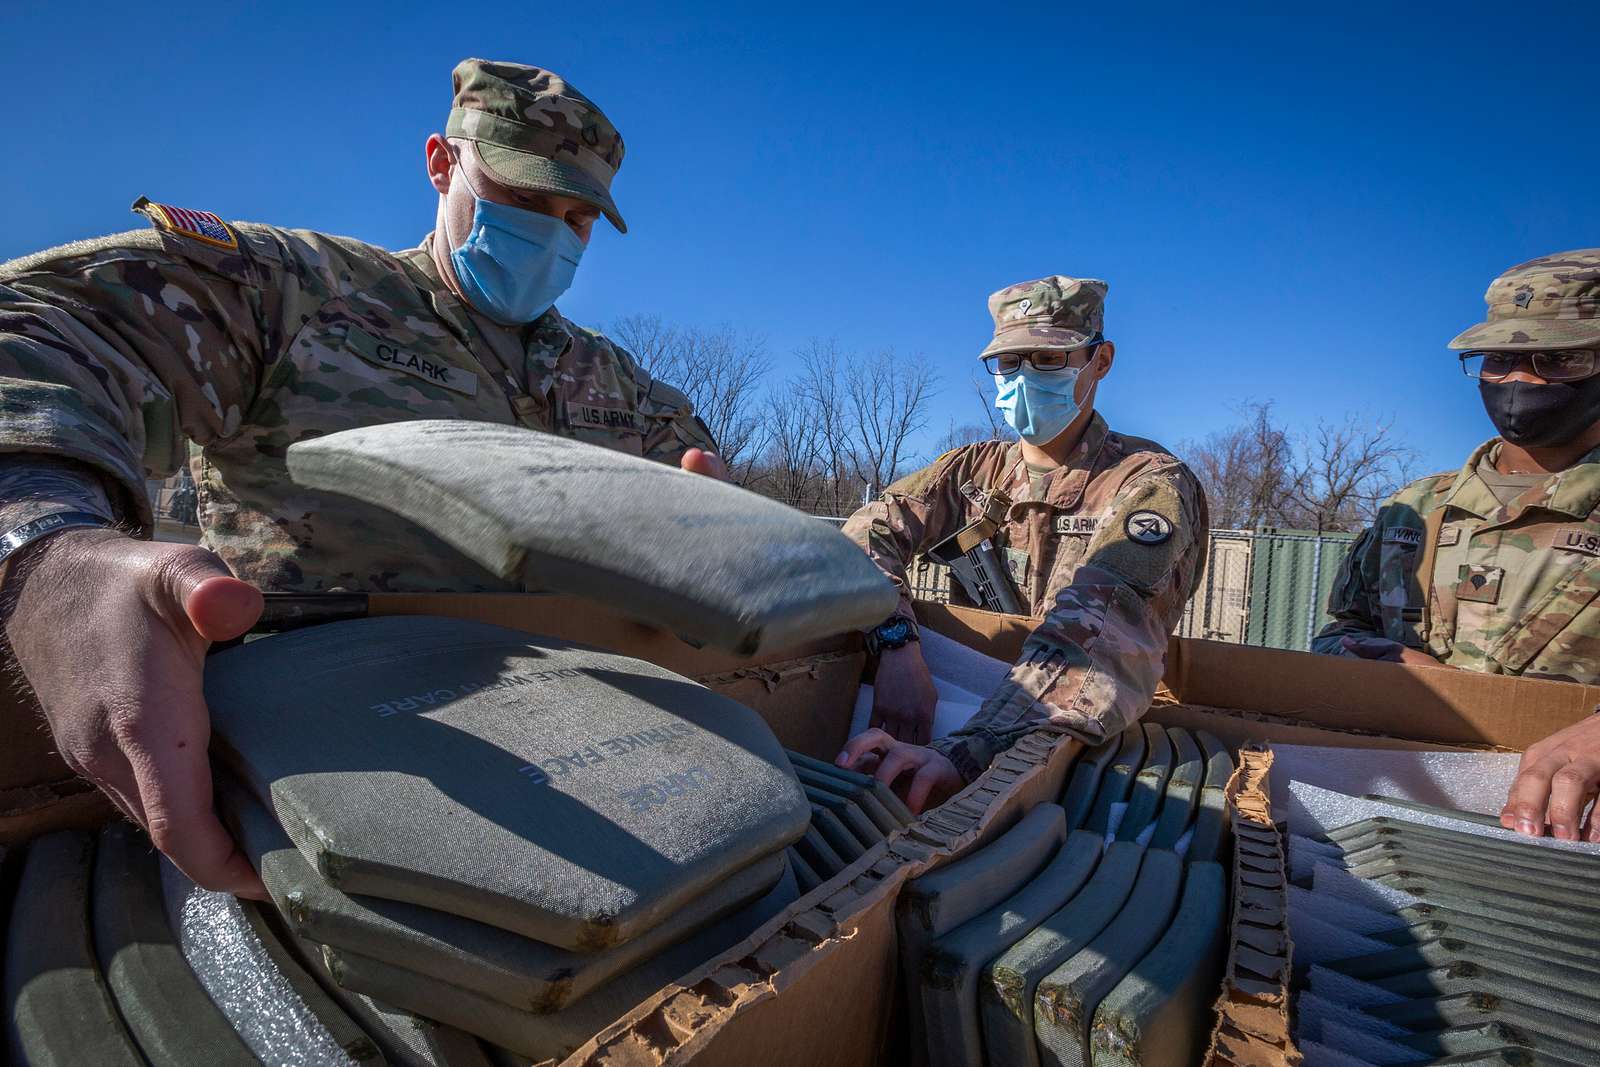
x: 1313, y: 811
x: 241, y: 977
x: 1469, y: 781
x: 963, y: 677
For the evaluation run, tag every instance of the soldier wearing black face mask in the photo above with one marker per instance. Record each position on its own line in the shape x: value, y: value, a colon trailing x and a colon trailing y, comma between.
x: 1496, y: 567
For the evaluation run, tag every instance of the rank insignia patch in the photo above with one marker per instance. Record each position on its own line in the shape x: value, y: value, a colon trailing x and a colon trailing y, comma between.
x: 199, y: 225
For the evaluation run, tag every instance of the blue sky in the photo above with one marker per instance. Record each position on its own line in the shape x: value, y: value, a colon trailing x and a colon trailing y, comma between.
x: 1296, y: 209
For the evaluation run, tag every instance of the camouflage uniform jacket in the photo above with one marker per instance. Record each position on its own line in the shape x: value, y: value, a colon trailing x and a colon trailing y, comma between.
x: 1106, y: 601
x: 117, y: 352
x: 1512, y: 589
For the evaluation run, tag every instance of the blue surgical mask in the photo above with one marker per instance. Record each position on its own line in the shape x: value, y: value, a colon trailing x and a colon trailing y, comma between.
x: 515, y: 263
x: 1038, y: 404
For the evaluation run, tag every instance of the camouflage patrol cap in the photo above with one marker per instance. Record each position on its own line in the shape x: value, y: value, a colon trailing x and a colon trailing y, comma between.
x: 1549, y: 302
x: 1055, y: 312
x: 535, y: 131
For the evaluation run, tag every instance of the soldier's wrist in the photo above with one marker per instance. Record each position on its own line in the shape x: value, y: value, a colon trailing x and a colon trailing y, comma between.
x: 18, y: 568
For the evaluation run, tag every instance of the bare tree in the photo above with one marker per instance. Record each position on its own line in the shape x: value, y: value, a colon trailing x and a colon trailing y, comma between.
x: 1331, y: 477
x: 1345, y: 471
x: 651, y: 341
x: 889, y: 399
x: 1245, y: 470
x: 721, y: 372
x: 968, y: 433
x: 822, y: 392
x: 790, y: 466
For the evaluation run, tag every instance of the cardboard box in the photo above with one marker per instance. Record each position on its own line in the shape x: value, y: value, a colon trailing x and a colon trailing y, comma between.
x: 818, y: 983
x: 1243, y: 693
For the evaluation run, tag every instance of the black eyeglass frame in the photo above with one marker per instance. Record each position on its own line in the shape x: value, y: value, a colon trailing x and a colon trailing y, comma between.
x: 1538, y: 360
x: 991, y: 363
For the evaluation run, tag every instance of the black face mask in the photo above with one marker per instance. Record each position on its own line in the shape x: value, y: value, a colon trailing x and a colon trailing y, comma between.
x: 1541, y: 415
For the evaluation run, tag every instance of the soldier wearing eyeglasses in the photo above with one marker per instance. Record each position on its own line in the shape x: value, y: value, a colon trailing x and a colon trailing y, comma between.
x: 1098, y: 535
x: 1496, y: 567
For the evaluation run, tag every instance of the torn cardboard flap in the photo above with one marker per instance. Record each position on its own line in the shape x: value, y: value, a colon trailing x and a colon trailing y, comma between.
x: 1252, y: 1028
x: 840, y: 937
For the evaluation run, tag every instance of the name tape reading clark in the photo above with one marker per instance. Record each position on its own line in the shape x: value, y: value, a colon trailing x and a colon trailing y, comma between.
x: 579, y: 806
x: 702, y: 558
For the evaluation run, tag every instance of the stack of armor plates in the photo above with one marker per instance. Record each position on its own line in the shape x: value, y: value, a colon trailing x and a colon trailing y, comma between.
x: 516, y: 837
x: 1092, y: 931
x: 850, y: 813
x: 1425, y: 935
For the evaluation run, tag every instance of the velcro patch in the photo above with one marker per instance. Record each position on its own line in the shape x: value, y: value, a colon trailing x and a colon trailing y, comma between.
x: 1450, y: 535
x: 186, y: 222
x: 972, y: 493
x: 1402, y: 535
x: 391, y: 356
x: 1074, y: 525
x: 1581, y: 539
x: 1148, y: 528
x: 594, y: 417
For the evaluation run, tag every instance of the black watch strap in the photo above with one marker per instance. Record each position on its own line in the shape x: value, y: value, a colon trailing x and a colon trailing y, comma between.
x: 877, y: 641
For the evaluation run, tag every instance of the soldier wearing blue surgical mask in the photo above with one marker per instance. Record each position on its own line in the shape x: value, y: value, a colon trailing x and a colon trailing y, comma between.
x: 121, y: 356
x: 1098, y: 536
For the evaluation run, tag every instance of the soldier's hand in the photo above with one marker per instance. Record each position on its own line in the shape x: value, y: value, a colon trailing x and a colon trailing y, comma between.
x: 903, y: 696
x: 112, y: 633
x: 699, y: 461
x: 1556, y: 780
x: 931, y: 778
x: 1385, y: 649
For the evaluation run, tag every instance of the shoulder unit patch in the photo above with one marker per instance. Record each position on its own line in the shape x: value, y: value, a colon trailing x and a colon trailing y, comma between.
x: 186, y: 222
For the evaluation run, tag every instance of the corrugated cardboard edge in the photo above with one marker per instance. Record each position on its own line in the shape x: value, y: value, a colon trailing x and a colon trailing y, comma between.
x: 1252, y: 1028
x: 686, y: 1018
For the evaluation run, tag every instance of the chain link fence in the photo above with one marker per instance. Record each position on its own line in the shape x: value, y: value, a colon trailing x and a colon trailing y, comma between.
x: 1260, y: 587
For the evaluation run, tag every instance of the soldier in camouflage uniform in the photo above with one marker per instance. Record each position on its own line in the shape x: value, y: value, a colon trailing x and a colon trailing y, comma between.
x: 1103, y: 537
x: 116, y: 353
x: 1496, y: 567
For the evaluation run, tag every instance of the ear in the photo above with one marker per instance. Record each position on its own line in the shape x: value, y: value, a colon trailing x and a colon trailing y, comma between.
x: 1103, y: 358
x: 439, y: 163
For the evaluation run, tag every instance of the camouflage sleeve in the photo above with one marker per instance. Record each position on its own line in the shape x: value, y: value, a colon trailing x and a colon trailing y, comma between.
x: 1353, y: 600
x: 911, y: 514
x: 1092, y: 666
x: 671, y: 427
x: 114, y: 351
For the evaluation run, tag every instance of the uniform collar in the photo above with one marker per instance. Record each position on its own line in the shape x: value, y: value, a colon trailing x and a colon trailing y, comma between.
x: 546, y: 337
x: 1574, y: 491
x: 1068, y: 481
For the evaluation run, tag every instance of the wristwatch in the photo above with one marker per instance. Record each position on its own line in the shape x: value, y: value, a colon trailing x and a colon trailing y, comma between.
x: 14, y: 541
x: 896, y: 631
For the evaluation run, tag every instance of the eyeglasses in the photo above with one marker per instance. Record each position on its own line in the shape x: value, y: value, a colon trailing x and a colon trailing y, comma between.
x: 1044, y: 359
x: 1561, y: 365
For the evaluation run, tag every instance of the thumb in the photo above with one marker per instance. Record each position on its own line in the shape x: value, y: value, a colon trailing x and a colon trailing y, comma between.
x: 219, y: 606
x: 699, y: 461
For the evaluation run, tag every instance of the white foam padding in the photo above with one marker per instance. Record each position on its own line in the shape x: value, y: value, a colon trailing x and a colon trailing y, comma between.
x: 1320, y: 940
x: 963, y: 678
x: 1313, y: 811
x: 1351, y: 992
x: 1364, y: 1044
x: 1332, y: 880
x: 1357, y: 919
x: 1469, y: 781
x: 1316, y: 1054
x: 1312, y: 1013
x: 237, y: 973
x: 948, y: 716
x: 962, y: 668
x: 1305, y: 853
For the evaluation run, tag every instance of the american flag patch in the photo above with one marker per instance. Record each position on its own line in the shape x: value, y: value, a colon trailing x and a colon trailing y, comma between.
x: 200, y: 225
